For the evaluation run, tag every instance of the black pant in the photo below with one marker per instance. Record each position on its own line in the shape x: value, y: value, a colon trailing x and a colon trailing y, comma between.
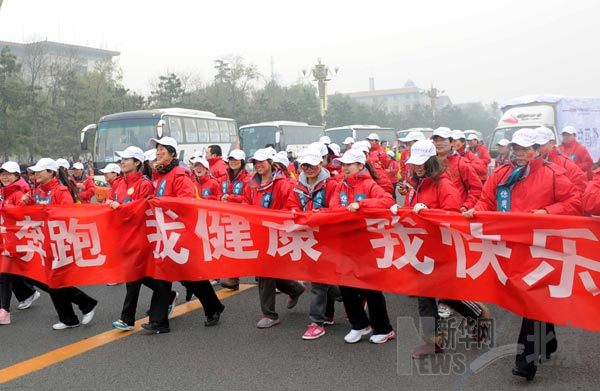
x: 205, y: 292
x: 159, y: 305
x: 131, y: 298
x: 10, y: 283
x: 266, y: 293
x: 378, y: 316
x: 428, y: 309
x: 63, y: 300
x: 537, y: 339
x: 22, y: 288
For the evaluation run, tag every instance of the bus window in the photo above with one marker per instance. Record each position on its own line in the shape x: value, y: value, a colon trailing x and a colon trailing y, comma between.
x: 202, y: 126
x: 175, y: 128
x: 191, y: 134
x: 232, y: 132
x: 224, y: 130
x: 214, y: 131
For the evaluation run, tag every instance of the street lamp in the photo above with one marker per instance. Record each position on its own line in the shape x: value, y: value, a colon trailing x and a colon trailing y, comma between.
x: 433, y: 94
x: 321, y: 74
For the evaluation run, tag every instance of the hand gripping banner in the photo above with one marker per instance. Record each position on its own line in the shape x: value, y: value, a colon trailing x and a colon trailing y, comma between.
x: 541, y: 267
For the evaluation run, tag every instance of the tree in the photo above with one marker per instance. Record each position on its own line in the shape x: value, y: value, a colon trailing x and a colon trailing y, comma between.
x: 169, y: 92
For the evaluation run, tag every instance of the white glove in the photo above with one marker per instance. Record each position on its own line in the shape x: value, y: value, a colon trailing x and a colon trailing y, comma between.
x: 394, y: 209
x: 419, y: 207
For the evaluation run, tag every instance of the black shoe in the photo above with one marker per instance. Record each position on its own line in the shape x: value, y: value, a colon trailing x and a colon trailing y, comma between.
x: 213, y: 320
x: 231, y: 283
x: 551, y: 347
x: 188, y: 295
x: 155, y: 328
x: 527, y: 371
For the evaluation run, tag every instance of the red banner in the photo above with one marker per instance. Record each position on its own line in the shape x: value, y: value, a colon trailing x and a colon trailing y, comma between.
x: 542, y: 267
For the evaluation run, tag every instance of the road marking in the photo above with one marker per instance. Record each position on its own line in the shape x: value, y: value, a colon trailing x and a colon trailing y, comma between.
x: 66, y: 352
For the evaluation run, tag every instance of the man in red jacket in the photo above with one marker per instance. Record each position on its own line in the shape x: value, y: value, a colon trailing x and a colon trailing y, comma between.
x: 85, y: 184
x: 377, y: 155
x: 218, y: 167
x: 478, y: 148
x: 576, y: 151
x: 459, y: 141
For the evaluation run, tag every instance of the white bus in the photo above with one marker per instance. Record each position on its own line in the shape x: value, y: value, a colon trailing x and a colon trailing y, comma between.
x: 194, y: 131
x: 281, y: 134
x: 360, y: 132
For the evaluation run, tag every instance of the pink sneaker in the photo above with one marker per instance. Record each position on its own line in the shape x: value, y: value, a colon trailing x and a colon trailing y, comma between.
x: 4, y: 316
x: 313, y: 331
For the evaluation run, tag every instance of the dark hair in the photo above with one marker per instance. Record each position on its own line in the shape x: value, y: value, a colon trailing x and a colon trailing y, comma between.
x: 281, y: 167
x: 433, y: 169
x: 147, y: 169
x: 270, y: 145
x: 232, y: 174
x: 63, y: 178
x: 215, y: 150
x: 171, y: 150
x: 372, y: 171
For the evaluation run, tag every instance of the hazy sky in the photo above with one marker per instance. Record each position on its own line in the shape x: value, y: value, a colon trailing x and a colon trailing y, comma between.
x: 475, y: 50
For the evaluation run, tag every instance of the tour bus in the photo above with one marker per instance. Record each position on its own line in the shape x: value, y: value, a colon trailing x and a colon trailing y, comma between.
x: 427, y: 132
x: 360, y: 132
x: 194, y: 131
x: 282, y: 134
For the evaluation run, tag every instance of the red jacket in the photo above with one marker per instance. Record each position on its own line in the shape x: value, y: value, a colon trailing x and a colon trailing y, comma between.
x: 273, y: 194
x: 378, y: 156
x: 360, y: 187
x: 383, y: 180
x: 235, y: 188
x: 580, y: 155
x: 392, y: 171
x: 11, y: 194
x: 591, y: 196
x: 465, y: 179
x: 404, y: 168
x: 478, y: 164
x: 114, y: 184
x: 483, y: 154
x: 502, y: 160
x: 218, y: 168
x: 89, y: 189
x: 207, y: 187
x: 544, y: 187
x: 335, y: 171
x: 302, y: 199
x: 292, y: 170
x: 51, y: 193
x: 436, y: 195
x: 175, y: 183
x: 573, y: 172
x: 132, y: 187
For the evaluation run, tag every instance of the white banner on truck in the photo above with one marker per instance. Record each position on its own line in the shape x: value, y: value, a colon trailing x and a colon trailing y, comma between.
x: 583, y: 114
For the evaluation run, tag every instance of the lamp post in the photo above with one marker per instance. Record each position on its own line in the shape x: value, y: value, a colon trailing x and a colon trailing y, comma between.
x: 321, y: 74
x: 433, y: 94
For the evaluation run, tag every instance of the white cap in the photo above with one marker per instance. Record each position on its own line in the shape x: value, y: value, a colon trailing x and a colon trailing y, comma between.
x: 373, y: 136
x: 131, y: 153
x: 504, y: 142
x: 420, y: 152
x: 237, y: 154
x: 261, y: 155
x: 472, y: 137
x: 195, y: 155
x: 77, y: 166
x: 569, y: 130
x: 348, y: 141
x: 150, y: 155
x: 44, y: 164
x: 289, y: 148
x: 544, y: 135
x: 200, y: 160
x: 111, y: 167
x: 412, y: 136
x: 351, y: 156
x: 12, y: 167
x: 457, y: 134
x: 325, y: 140
x: 524, y: 137
x: 391, y: 154
x: 319, y: 146
x: 335, y: 149
x: 166, y: 141
x: 281, y: 157
x: 310, y: 156
x: 271, y: 151
x: 362, y: 145
x: 63, y: 163
x: 442, y: 132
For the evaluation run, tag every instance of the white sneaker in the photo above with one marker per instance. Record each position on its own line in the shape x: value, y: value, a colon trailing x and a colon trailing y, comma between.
x: 87, y: 318
x: 444, y: 311
x: 62, y: 326
x: 382, y: 338
x: 356, y: 335
x: 28, y: 301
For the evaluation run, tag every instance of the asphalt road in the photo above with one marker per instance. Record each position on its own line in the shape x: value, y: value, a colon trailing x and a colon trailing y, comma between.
x: 235, y: 355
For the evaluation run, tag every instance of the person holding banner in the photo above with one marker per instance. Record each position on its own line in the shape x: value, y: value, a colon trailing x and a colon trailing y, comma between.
x: 535, y: 186
x: 313, y: 192
x: 591, y: 196
x: 50, y: 192
x: 85, y: 184
x: 207, y: 187
x: 355, y: 191
x: 112, y: 174
x: 459, y: 141
x: 269, y: 188
x: 172, y: 180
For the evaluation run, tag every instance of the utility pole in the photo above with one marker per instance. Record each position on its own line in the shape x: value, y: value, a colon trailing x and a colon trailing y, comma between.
x: 321, y: 73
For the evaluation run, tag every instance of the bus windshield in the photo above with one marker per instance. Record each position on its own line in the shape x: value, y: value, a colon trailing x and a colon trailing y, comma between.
x: 388, y: 135
x: 338, y: 136
x: 118, y: 135
x: 254, y: 138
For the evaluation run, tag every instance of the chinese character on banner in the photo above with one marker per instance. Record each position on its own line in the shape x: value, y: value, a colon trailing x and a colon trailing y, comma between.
x: 569, y: 259
x: 490, y: 248
x: 31, y: 232
x: 295, y: 238
x: 74, y: 238
x: 224, y: 235
x: 390, y: 232
x: 165, y: 236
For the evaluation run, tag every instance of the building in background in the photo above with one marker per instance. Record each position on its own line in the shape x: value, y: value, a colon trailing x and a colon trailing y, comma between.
x: 397, y: 99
